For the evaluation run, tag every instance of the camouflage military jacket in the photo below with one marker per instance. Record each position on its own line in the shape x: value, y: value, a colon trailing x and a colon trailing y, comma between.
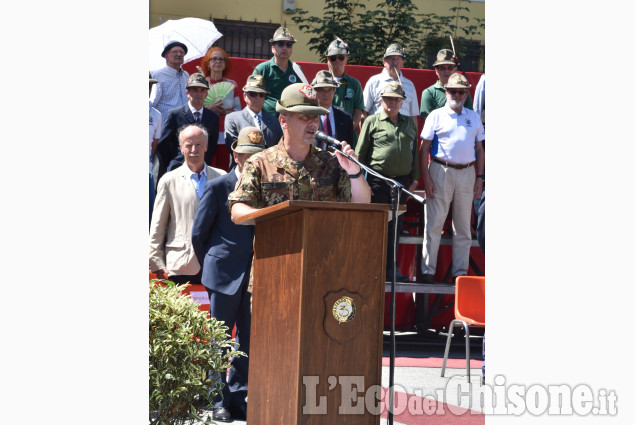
x: 271, y: 177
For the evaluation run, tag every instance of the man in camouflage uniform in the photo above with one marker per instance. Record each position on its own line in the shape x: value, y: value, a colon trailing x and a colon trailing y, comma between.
x: 295, y: 168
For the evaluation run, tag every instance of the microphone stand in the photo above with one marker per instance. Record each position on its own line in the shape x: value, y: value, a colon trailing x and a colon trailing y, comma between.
x: 395, y: 191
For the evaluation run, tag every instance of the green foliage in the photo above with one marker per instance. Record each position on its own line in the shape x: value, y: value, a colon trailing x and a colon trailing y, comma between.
x: 186, y: 349
x: 369, y: 32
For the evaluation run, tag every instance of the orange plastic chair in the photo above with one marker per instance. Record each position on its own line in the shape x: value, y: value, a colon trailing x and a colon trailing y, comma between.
x: 469, y: 310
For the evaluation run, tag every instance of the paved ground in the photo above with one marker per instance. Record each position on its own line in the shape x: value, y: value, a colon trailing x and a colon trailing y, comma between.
x: 418, y: 374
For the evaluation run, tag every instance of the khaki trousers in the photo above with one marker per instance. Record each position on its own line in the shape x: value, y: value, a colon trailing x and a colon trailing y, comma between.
x: 451, y: 185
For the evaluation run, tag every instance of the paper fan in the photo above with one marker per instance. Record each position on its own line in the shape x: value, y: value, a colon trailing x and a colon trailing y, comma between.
x: 218, y: 92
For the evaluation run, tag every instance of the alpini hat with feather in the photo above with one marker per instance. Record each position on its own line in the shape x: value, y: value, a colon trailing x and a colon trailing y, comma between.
x: 301, y: 98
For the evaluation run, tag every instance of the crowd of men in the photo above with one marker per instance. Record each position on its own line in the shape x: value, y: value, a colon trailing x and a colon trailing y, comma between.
x: 275, y: 157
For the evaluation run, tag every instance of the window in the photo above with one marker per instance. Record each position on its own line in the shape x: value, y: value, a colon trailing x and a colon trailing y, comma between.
x: 245, y: 39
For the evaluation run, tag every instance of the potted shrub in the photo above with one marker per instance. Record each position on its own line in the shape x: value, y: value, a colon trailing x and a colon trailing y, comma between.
x: 187, y: 349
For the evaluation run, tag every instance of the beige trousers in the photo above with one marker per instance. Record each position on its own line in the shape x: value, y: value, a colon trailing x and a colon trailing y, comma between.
x: 450, y: 185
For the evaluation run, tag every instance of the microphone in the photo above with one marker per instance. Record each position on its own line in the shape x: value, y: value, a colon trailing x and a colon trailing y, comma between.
x: 321, y: 137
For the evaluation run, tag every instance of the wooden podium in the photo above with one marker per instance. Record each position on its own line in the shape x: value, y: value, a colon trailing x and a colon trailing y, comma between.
x: 317, y: 316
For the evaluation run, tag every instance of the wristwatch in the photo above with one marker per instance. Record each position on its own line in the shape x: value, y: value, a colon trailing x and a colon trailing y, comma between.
x: 481, y: 176
x: 354, y: 176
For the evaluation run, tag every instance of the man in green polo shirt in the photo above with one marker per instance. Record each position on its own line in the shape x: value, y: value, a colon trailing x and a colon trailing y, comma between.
x: 349, y: 95
x: 279, y: 71
x: 434, y: 96
x: 388, y: 144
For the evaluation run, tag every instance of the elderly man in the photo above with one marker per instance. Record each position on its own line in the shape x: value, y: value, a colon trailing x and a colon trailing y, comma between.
x: 279, y: 71
x: 254, y: 93
x: 433, y: 97
x: 348, y: 95
x: 155, y: 133
x: 295, y: 168
x: 191, y: 113
x: 453, y: 136
x: 225, y: 250
x: 170, y: 92
x: 393, y: 62
x: 178, y: 193
x: 388, y: 144
x: 337, y: 123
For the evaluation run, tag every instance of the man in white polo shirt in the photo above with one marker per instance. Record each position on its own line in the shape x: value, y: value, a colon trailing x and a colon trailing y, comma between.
x: 393, y: 62
x: 453, y: 136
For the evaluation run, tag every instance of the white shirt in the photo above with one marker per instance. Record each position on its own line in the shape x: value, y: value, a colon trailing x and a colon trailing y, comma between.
x: 479, y: 98
x: 376, y: 83
x: 156, y: 125
x: 200, y: 111
x: 253, y: 116
x: 453, y: 135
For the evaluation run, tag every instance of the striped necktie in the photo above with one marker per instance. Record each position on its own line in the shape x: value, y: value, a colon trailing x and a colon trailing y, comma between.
x: 326, y: 125
x: 259, y: 121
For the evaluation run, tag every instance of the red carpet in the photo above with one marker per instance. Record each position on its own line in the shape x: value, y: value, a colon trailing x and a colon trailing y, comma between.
x: 413, y: 410
x: 430, y: 362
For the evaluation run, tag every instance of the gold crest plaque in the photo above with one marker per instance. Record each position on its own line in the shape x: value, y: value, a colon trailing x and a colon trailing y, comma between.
x: 344, y: 309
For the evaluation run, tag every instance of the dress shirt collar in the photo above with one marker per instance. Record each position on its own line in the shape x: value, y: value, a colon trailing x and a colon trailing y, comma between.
x: 195, y: 110
x: 253, y: 114
x: 451, y: 111
x: 387, y: 77
x: 172, y: 71
x: 189, y: 172
x: 384, y: 116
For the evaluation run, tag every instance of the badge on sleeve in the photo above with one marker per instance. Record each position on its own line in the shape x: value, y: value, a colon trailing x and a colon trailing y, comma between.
x: 292, y: 78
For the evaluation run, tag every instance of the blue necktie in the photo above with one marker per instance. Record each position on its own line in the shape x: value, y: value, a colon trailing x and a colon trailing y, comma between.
x: 197, y: 117
x: 259, y: 121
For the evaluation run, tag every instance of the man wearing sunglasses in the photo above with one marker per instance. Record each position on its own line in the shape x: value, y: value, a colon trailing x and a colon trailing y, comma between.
x: 453, y: 136
x: 279, y: 71
x: 393, y: 62
x: 348, y: 95
x: 252, y: 115
x: 434, y: 96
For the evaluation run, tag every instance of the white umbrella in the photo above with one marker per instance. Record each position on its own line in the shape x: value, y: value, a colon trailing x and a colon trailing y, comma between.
x: 197, y: 34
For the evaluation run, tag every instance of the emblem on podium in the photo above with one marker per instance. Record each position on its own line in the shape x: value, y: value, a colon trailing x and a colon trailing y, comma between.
x: 344, y: 309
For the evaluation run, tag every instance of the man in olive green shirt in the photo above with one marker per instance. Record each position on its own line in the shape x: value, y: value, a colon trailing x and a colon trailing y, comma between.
x: 434, y: 96
x: 349, y: 95
x: 279, y: 71
x: 388, y: 144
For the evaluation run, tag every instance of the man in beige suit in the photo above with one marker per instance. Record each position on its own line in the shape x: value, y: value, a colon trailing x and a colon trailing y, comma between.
x: 172, y: 256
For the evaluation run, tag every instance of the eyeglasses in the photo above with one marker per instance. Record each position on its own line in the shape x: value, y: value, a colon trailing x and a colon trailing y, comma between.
x: 289, y: 44
x: 177, y: 52
x: 217, y: 59
x: 459, y: 92
x: 254, y: 94
x: 336, y: 57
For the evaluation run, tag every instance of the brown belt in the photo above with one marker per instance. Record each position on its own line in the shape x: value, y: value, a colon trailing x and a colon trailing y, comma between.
x: 449, y: 164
